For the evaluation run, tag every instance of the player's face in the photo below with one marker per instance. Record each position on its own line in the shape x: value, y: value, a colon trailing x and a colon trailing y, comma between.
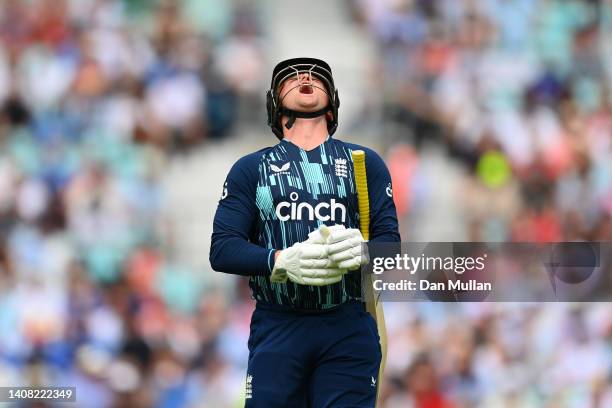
x: 303, y: 92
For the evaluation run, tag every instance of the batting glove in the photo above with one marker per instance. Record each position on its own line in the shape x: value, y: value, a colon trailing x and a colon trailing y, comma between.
x: 319, y: 236
x: 306, y: 263
x: 345, y: 248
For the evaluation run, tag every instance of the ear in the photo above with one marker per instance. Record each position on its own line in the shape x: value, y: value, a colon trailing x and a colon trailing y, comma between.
x: 329, y: 116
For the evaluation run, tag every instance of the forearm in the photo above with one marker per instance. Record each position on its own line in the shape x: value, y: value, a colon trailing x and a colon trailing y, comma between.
x: 390, y: 236
x: 240, y: 257
x: 384, y: 227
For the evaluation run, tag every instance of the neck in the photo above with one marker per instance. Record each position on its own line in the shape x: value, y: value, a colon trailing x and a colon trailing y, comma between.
x: 306, y: 133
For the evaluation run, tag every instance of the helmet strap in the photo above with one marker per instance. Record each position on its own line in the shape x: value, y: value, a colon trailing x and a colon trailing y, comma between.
x: 293, y: 114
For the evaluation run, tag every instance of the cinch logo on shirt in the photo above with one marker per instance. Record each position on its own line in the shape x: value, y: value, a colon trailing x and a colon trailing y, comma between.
x: 293, y: 210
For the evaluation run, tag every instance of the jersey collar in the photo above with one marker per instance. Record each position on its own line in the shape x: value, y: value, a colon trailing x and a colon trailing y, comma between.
x: 289, y: 143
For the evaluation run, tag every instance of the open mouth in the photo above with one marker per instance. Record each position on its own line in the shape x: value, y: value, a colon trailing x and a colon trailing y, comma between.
x: 306, y: 89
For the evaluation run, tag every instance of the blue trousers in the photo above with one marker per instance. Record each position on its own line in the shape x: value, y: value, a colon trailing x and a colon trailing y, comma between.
x: 316, y: 360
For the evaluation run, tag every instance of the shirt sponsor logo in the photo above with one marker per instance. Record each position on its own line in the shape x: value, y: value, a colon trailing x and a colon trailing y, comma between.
x: 325, y: 211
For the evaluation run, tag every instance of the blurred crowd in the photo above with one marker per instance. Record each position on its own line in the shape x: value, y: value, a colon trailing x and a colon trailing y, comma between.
x: 517, y: 91
x: 518, y: 94
x: 498, y: 355
x: 97, y: 97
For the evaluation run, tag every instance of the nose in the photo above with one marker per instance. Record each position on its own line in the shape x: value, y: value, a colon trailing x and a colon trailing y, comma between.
x: 304, y: 77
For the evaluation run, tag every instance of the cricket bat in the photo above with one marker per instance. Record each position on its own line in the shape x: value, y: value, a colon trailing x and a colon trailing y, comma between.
x: 372, y: 305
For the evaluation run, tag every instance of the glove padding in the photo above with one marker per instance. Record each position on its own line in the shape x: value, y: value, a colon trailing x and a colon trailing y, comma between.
x: 306, y: 263
x: 320, y: 235
x: 345, y: 247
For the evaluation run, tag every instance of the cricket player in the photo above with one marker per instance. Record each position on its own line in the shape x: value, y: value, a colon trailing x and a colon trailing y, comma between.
x: 288, y: 219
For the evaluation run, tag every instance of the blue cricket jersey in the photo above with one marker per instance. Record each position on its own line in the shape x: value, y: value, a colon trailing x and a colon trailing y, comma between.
x: 275, y: 197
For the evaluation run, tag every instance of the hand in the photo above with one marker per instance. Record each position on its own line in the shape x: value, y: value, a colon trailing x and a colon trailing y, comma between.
x: 319, y: 236
x: 306, y: 263
x: 345, y: 248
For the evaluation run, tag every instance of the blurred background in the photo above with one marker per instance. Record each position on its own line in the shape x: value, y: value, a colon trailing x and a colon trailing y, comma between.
x: 119, y: 120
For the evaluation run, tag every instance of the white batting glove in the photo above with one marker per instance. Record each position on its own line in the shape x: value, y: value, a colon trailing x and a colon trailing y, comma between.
x: 345, y: 249
x: 306, y: 264
x: 319, y: 236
